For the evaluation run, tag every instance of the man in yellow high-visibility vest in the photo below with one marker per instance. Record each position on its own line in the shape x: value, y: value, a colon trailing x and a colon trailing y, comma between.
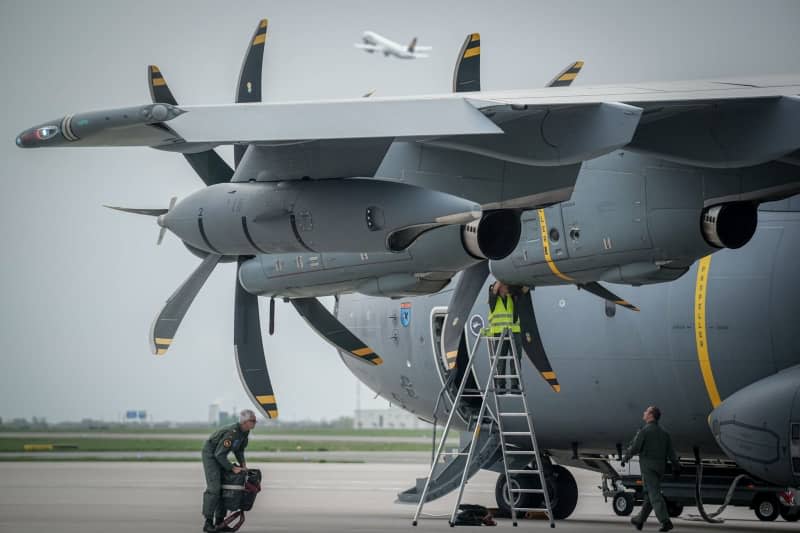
x: 502, y: 315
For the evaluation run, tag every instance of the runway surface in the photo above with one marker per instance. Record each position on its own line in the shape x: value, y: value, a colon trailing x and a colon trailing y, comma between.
x: 161, y: 497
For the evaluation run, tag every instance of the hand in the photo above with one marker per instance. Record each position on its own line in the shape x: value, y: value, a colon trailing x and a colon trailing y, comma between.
x: 237, y: 469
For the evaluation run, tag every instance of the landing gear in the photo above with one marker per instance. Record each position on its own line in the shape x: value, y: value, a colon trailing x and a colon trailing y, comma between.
x: 766, y: 507
x: 623, y: 503
x: 561, y: 486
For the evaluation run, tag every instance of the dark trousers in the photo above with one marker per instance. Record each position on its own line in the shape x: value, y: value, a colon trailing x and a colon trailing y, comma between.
x: 653, y: 499
x: 213, y: 493
x: 504, y: 366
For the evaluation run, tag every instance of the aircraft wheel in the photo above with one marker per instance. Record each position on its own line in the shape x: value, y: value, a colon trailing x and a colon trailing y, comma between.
x: 521, y: 499
x: 623, y: 503
x: 566, y: 493
x: 766, y: 507
x: 674, y: 509
x: 790, y: 514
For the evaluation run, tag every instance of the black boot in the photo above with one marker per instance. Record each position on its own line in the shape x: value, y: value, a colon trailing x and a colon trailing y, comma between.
x: 637, y: 524
x: 208, y: 527
x: 666, y: 526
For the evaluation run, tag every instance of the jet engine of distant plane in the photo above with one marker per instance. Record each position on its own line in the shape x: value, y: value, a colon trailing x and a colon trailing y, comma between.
x: 351, y: 215
x: 759, y: 427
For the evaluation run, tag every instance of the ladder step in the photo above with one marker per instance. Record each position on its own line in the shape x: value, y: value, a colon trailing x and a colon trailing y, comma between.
x: 517, y: 433
x: 523, y: 472
x: 509, y: 395
x: 454, y: 453
x: 532, y: 509
x: 504, y: 357
x: 513, y: 414
x: 528, y: 491
x: 518, y: 452
x: 506, y: 376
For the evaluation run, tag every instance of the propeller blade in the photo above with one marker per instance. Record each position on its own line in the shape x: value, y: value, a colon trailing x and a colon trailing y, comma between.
x: 598, y: 290
x: 532, y: 342
x: 566, y: 76
x: 467, y: 73
x: 249, y: 87
x: 250, y: 359
x: 464, y: 295
x: 136, y: 211
x: 333, y: 331
x: 211, y: 168
x: 161, y: 233
x: 166, y: 323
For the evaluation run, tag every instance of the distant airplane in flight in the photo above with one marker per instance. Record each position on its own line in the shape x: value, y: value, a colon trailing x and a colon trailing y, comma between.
x: 378, y: 43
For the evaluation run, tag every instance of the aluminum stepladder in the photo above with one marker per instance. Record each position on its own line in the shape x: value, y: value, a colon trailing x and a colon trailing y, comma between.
x: 512, y: 372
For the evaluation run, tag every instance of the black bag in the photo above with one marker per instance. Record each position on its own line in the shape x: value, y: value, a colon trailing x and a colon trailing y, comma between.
x: 239, y: 490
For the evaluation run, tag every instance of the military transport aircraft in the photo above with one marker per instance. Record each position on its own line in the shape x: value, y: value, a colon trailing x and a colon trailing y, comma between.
x: 374, y: 42
x: 683, y: 190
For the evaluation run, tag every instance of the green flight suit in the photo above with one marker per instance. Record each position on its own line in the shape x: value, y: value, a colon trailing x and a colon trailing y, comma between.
x: 215, y: 460
x: 653, y: 445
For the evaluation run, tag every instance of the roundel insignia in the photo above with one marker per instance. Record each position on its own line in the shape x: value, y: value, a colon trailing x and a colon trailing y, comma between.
x: 227, y: 443
x: 476, y: 324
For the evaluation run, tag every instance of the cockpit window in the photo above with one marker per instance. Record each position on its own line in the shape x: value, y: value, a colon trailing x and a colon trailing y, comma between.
x: 46, y: 132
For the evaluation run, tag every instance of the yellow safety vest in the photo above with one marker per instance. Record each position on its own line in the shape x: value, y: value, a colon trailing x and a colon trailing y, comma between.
x: 502, y: 317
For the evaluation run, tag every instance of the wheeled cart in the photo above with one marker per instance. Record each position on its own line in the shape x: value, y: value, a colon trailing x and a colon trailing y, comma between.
x: 767, y: 501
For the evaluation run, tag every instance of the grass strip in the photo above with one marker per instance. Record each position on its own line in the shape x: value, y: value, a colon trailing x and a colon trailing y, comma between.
x: 99, y: 444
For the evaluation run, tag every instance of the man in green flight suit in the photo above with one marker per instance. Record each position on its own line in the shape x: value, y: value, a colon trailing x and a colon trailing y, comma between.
x: 653, y: 445
x: 232, y: 438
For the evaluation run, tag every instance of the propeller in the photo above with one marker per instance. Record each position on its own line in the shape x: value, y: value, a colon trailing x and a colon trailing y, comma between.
x: 160, y: 220
x: 248, y: 345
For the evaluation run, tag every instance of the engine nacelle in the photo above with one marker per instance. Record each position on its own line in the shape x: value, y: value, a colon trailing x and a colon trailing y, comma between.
x: 424, y: 268
x: 348, y: 215
x: 729, y: 225
x: 759, y: 427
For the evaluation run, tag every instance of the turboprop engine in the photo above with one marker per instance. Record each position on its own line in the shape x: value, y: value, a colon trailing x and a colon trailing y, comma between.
x: 759, y: 427
x: 342, y: 215
x: 424, y: 268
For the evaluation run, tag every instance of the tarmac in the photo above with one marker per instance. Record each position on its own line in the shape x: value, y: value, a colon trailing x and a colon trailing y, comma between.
x: 297, y: 497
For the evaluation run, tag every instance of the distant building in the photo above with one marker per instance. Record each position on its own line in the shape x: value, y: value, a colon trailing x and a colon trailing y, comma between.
x: 392, y: 418
x: 213, y: 414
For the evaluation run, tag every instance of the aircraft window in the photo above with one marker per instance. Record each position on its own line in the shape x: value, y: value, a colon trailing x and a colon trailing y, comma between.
x: 46, y: 132
x: 554, y: 235
x: 575, y: 234
x: 611, y: 309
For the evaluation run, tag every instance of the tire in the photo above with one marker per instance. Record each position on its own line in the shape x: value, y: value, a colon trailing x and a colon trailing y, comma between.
x: 674, y: 509
x: 790, y: 514
x: 501, y: 497
x: 766, y: 507
x: 565, y: 498
x: 623, y: 503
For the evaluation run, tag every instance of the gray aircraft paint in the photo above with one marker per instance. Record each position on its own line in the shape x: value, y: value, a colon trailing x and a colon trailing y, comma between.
x: 611, y: 367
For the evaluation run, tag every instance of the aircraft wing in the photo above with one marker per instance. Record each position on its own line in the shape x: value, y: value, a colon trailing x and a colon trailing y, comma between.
x: 717, y: 123
x: 370, y: 47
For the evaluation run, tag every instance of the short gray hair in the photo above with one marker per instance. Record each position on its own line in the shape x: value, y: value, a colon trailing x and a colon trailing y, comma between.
x: 246, y: 415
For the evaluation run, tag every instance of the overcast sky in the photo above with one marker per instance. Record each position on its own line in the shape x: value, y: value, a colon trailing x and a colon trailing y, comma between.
x: 81, y: 284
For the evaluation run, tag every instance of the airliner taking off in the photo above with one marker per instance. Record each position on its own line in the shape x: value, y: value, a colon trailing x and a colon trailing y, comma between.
x: 372, y: 42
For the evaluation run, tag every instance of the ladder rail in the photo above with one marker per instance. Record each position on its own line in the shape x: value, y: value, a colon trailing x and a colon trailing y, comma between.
x: 474, y: 440
x: 534, y: 441
x: 445, y: 432
x: 492, y: 377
